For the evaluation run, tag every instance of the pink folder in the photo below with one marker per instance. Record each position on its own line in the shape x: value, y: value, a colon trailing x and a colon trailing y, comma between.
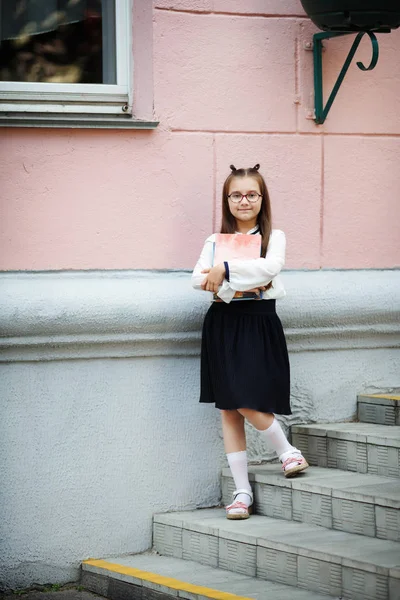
x: 230, y: 246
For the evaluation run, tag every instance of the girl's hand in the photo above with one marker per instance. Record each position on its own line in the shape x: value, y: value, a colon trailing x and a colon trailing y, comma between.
x: 214, y: 278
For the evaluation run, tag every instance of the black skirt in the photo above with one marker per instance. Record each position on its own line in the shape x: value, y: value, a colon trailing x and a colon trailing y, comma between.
x: 244, y: 358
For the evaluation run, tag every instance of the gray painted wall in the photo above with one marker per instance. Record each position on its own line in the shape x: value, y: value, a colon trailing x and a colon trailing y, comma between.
x: 100, y: 425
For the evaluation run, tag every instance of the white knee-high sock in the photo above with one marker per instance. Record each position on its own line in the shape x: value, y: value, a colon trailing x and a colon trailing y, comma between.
x: 238, y: 464
x: 276, y: 439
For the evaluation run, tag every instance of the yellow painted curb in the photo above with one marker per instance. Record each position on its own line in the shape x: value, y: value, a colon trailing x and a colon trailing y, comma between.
x: 387, y: 396
x: 162, y: 580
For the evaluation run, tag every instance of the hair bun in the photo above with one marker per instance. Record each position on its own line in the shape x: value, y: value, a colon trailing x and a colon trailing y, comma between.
x: 256, y: 167
x: 233, y: 168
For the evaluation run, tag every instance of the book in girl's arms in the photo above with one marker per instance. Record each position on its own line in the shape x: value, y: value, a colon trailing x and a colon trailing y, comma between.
x: 231, y: 246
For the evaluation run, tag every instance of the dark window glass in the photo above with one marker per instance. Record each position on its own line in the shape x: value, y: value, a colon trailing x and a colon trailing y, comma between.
x: 58, y: 41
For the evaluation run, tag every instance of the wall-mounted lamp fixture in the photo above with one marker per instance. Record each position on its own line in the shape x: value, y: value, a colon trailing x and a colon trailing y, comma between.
x: 343, y: 17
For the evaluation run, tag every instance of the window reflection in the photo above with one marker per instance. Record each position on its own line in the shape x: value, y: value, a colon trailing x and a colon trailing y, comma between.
x: 57, y: 41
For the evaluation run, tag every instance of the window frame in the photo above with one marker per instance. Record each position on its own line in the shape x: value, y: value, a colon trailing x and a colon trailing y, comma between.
x: 79, y: 104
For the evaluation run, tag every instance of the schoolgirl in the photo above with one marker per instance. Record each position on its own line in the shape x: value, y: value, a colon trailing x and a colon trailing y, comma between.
x: 244, y: 360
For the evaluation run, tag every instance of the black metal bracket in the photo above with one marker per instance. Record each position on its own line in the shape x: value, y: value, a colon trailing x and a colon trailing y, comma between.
x: 321, y: 112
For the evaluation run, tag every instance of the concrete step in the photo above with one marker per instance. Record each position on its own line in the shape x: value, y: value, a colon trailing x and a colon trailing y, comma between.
x: 359, y: 447
x: 299, y: 554
x: 363, y: 504
x: 383, y: 409
x: 153, y: 577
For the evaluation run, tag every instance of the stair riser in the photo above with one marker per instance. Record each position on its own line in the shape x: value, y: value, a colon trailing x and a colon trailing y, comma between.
x: 341, y: 514
x: 379, y: 414
x: 114, y: 589
x: 348, y: 455
x: 324, y: 574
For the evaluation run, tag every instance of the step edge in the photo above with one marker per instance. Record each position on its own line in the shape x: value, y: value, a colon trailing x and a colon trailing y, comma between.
x: 227, y: 595
x: 392, y: 440
x: 332, y: 491
x: 395, y: 398
x: 328, y: 556
x: 138, y: 576
x: 336, y: 426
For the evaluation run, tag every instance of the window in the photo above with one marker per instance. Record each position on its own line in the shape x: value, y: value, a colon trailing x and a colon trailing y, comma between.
x: 66, y: 61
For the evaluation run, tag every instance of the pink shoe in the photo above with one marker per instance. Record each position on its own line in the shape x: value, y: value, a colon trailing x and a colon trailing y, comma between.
x: 294, y: 464
x: 239, y: 510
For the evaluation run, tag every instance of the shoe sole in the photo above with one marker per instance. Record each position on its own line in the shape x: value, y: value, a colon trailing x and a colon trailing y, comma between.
x: 295, y: 470
x: 237, y: 517
x: 240, y: 516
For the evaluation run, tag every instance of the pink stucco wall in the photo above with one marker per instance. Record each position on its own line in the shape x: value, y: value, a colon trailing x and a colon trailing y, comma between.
x: 232, y: 84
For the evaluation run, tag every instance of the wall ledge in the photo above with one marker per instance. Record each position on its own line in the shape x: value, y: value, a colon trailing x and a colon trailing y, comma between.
x: 69, y: 121
x: 97, y: 314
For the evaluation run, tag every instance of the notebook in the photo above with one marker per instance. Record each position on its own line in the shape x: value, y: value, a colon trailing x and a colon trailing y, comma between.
x: 230, y: 246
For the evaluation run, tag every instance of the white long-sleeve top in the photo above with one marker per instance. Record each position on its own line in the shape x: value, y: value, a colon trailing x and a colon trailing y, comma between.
x: 247, y: 274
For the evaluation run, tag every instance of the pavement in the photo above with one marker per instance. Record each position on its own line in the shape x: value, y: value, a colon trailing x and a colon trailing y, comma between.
x: 64, y: 593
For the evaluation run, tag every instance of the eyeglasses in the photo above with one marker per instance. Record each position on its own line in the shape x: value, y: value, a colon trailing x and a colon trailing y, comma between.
x: 237, y: 197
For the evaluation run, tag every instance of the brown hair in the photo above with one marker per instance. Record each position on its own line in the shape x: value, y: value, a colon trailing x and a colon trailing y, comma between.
x: 264, y: 217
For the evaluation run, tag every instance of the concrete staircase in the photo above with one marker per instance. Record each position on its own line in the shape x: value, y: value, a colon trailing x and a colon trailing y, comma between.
x: 333, y: 531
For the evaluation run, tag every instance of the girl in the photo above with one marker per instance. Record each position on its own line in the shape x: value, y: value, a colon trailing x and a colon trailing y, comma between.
x: 244, y: 359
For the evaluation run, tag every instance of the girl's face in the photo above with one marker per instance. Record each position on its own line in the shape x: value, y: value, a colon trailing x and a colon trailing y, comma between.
x: 245, y: 211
